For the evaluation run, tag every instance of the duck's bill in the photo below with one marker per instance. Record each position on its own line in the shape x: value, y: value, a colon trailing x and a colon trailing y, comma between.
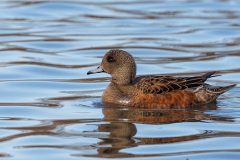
x: 98, y: 70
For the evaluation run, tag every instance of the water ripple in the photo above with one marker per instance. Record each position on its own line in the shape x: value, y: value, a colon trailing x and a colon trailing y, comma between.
x: 50, y: 107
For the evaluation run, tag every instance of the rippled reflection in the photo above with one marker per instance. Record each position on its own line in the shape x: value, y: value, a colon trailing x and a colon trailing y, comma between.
x: 122, y: 131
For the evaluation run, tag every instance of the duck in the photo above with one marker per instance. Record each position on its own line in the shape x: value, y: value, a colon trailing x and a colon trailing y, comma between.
x: 153, y: 91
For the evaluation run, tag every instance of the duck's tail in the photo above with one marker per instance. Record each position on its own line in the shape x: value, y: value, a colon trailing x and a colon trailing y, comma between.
x: 207, y: 93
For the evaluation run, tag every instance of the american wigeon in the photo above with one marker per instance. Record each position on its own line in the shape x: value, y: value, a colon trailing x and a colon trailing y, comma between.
x: 153, y: 91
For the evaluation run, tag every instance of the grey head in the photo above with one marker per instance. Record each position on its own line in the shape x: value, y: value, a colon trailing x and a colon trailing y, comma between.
x: 120, y: 65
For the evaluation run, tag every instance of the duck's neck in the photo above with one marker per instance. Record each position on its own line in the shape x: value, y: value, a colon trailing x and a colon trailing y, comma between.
x: 122, y: 80
x: 124, y: 76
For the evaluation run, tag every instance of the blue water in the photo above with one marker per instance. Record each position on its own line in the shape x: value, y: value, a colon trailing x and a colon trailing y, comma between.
x: 50, y: 109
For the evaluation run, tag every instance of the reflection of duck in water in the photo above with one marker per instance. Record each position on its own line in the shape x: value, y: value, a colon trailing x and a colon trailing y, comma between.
x: 156, y: 116
x: 153, y: 91
x: 122, y: 131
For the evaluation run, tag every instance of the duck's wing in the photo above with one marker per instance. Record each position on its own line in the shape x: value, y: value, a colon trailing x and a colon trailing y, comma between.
x: 163, y: 84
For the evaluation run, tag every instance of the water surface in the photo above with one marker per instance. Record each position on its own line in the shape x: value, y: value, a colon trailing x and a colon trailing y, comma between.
x: 50, y: 109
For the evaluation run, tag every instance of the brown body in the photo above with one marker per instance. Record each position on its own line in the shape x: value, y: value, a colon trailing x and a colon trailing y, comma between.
x: 178, y: 98
x: 153, y: 91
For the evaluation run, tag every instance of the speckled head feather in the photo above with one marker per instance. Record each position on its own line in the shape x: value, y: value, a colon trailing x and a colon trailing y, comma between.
x: 120, y: 65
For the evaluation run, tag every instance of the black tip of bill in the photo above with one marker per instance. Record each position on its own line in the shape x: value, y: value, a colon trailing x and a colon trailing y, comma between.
x: 89, y: 72
x: 97, y: 70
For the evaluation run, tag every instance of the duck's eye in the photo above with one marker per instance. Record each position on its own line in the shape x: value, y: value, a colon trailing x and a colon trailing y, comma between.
x: 110, y: 59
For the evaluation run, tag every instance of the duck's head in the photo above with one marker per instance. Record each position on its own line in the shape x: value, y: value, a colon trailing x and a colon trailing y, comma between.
x: 120, y: 64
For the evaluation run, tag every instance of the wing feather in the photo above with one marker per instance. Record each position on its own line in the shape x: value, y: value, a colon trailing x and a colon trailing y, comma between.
x: 164, y: 84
